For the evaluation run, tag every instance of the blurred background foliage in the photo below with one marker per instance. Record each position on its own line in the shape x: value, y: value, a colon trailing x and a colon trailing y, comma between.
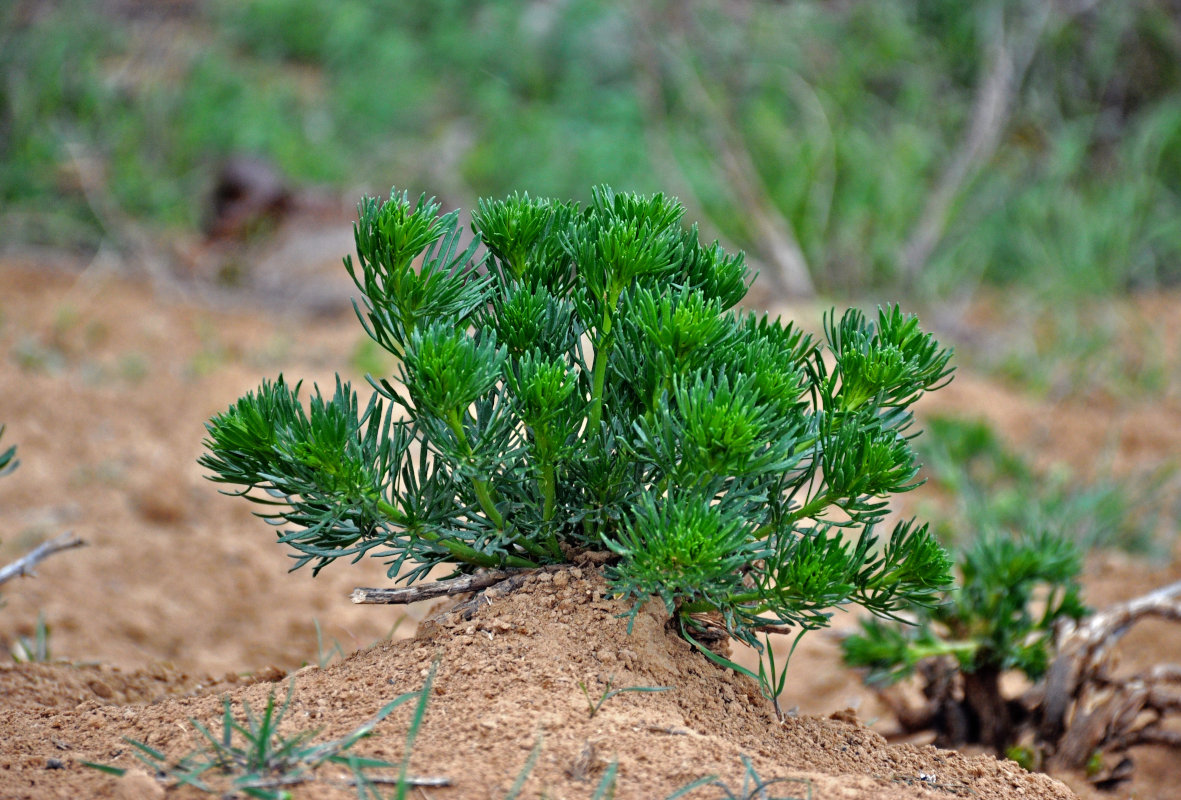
x: 931, y: 145
x: 979, y: 486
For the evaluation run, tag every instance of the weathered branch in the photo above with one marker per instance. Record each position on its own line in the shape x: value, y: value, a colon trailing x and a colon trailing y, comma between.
x: 1009, y: 55
x: 1085, y: 647
x: 1085, y: 709
x: 1157, y: 736
x: 992, y: 106
x: 25, y: 564
x: 777, y: 242
x: 428, y: 591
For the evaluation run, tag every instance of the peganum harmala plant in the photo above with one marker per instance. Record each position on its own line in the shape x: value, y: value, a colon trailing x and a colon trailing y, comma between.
x: 576, y: 379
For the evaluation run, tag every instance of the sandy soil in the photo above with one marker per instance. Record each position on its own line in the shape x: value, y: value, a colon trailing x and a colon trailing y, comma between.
x: 181, y: 595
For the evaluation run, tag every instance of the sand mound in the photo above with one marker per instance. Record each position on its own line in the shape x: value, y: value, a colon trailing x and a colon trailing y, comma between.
x: 508, y: 675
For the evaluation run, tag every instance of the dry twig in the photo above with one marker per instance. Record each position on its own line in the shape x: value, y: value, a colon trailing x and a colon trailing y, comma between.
x: 468, y: 583
x: 25, y: 564
x: 1009, y: 53
x: 428, y: 591
x: 1008, y: 58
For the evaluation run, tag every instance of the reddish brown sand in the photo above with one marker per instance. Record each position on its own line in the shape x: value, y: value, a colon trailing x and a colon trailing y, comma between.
x: 507, y: 678
x: 104, y: 386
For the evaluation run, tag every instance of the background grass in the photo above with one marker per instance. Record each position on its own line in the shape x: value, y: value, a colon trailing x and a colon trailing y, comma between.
x: 849, y: 113
x: 845, y: 115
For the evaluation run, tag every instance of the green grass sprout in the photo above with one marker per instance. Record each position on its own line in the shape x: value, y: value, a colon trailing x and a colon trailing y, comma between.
x: 251, y: 757
x: 35, y: 649
x: 526, y: 771
x: 593, y: 705
x: 324, y: 657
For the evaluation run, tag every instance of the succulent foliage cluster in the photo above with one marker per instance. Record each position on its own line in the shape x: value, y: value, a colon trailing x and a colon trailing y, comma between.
x: 576, y: 379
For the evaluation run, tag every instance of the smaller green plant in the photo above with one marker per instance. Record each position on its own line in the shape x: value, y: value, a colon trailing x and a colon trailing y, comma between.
x: 594, y: 705
x: 259, y: 762
x: 753, y: 786
x: 1001, y: 617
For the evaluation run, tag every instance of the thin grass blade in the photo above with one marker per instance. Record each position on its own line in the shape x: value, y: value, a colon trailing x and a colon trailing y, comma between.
x: 606, y: 788
x: 526, y: 770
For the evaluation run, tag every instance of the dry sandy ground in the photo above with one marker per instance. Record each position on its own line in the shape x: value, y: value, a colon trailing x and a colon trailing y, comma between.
x: 181, y: 595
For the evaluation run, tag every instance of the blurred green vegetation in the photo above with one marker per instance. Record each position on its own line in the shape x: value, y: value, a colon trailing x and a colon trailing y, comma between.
x: 837, y: 122
x: 981, y: 486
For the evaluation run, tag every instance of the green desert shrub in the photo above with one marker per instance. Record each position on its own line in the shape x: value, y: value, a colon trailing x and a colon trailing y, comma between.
x: 578, y: 379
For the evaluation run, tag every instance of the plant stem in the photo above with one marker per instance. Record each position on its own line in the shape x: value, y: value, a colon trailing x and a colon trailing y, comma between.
x: 545, y: 460
x: 543, y: 450
x: 548, y: 490
x: 810, y: 508
x: 488, y: 503
x: 484, y: 495
x: 960, y: 648
x: 698, y: 607
x: 479, y: 484
x: 549, y: 493
x: 602, y: 351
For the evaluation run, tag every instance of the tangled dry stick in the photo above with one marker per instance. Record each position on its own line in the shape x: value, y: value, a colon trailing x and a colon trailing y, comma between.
x: 1085, y: 709
x: 1081, y: 711
x: 25, y: 564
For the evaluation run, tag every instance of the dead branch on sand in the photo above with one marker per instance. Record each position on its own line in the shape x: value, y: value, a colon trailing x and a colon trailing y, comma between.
x: 25, y: 564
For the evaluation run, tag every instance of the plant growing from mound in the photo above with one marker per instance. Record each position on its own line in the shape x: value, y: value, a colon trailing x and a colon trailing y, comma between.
x: 581, y: 382
x: 1015, y: 591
